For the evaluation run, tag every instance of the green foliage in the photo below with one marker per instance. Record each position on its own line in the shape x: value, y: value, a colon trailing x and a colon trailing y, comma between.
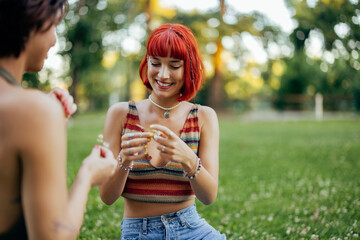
x: 337, y: 23
x: 278, y: 180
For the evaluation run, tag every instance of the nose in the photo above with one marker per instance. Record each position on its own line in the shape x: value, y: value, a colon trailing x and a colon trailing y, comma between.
x: 53, y: 38
x: 164, y: 72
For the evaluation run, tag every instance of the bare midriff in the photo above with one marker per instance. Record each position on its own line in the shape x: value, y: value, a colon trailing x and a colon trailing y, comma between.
x: 136, y: 209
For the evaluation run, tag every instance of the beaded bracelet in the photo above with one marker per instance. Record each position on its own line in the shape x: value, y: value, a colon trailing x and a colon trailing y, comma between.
x: 121, y: 165
x: 197, y: 171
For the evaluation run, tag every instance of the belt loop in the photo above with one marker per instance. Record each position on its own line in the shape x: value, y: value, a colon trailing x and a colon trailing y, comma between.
x: 144, y: 226
x: 182, y: 219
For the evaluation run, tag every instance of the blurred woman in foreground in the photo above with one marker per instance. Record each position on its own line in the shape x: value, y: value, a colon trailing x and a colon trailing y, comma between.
x: 34, y: 202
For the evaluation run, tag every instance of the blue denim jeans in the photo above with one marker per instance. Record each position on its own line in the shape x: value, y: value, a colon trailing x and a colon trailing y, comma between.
x: 184, y: 224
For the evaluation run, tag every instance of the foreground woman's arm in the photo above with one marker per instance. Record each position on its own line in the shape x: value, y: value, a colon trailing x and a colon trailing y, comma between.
x: 50, y: 212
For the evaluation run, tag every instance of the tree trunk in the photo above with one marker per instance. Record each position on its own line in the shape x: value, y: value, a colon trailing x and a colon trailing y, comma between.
x: 215, y: 98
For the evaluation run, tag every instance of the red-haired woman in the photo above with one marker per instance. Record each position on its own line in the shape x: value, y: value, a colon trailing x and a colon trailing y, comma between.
x: 162, y: 169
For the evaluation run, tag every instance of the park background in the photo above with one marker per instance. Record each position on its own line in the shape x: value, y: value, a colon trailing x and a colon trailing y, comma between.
x: 288, y: 101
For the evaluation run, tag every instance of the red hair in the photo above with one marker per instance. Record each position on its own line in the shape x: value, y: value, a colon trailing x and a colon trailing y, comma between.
x: 182, y: 45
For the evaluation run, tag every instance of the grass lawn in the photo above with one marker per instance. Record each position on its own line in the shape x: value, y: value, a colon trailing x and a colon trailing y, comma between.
x: 278, y: 180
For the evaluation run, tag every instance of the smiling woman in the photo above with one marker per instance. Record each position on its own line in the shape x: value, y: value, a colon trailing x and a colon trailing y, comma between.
x: 163, y: 165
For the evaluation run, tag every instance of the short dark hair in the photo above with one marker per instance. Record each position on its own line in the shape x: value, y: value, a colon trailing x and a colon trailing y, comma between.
x: 18, y: 18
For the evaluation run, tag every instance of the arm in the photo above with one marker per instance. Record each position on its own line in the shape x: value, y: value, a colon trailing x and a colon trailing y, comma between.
x: 205, y: 185
x: 50, y: 212
x: 112, y: 189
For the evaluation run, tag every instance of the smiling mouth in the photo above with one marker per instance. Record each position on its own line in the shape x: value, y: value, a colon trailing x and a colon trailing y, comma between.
x: 163, y: 84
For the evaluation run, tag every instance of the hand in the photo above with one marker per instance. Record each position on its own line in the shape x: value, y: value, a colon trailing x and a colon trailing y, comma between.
x: 100, y: 164
x: 134, y: 147
x: 173, y: 148
x: 66, y: 100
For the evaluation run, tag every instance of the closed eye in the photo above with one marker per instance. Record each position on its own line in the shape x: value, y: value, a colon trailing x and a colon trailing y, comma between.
x: 155, y: 64
x: 176, y: 67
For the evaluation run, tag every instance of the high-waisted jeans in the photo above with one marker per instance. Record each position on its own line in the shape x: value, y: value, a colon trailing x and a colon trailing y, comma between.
x: 183, y: 224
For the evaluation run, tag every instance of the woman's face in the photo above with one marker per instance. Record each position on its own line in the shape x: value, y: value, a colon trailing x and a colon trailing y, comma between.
x: 166, y: 76
x: 37, y: 48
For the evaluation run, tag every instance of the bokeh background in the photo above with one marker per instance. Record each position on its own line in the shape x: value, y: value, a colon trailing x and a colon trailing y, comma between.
x: 259, y: 55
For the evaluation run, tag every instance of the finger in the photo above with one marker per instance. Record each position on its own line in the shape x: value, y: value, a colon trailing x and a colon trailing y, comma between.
x: 102, y: 153
x: 130, y: 136
x: 57, y: 92
x: 135, y: 150
x: 73, y: 109
x: 166, y: 131
x: 141, y: 155
x: 161, y: 140
x: 134, y: 142
x: 96, y: 150
x: 107, y: 152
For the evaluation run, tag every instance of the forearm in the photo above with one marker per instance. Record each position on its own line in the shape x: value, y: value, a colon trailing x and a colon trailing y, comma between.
x: 78, y: 198
x: 204, y: 186
x: 112, y: 189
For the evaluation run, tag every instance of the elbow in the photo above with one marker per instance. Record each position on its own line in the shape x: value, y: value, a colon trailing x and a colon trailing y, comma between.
x: 106, y: 198
x: 209, y: 200
x: 108, y: 201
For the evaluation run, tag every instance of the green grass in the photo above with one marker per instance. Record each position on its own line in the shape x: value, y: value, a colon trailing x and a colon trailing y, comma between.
x: 278, y: 180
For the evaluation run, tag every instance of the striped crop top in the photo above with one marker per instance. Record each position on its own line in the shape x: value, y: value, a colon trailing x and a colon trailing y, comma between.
x: 167, y: 184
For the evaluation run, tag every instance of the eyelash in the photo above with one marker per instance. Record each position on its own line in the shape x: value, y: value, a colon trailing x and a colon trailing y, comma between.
x: 158, y: 65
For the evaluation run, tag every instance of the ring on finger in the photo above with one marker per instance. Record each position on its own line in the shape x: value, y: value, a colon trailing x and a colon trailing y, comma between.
x: 128, y: 143
x: 163, y: 149
x: 131, y: 136
x: 171, y: 134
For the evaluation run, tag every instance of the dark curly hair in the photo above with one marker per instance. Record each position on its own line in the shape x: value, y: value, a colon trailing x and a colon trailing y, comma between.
x: 18, y: 18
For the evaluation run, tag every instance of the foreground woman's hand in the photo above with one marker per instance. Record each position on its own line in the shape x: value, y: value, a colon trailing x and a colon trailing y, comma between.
x: 66, y: 100
x: 100, y: 164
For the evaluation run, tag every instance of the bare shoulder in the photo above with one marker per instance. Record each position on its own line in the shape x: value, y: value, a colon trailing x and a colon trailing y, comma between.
x: 207, y: 114
x: 29, y: 115
x: 36, y: 106
x: 118, y: 110
x: 116, y: 116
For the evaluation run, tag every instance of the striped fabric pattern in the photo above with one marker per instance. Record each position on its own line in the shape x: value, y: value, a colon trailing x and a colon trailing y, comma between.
x: 167, y: 184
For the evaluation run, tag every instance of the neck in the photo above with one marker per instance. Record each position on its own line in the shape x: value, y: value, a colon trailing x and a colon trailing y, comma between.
x: 165, y: 103
x: 14, y: 66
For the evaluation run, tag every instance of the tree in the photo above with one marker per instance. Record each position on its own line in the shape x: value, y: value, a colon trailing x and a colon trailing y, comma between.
x: 337, y: 24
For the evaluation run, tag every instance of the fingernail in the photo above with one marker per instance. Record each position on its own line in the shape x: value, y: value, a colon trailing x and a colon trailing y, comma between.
x: 102, y: 153
x: 146, y: 146
x: 151, y: 125
x: 151, y: 135
x: 64, y: 101
x: 149, y: 139
x: 145, y: 152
